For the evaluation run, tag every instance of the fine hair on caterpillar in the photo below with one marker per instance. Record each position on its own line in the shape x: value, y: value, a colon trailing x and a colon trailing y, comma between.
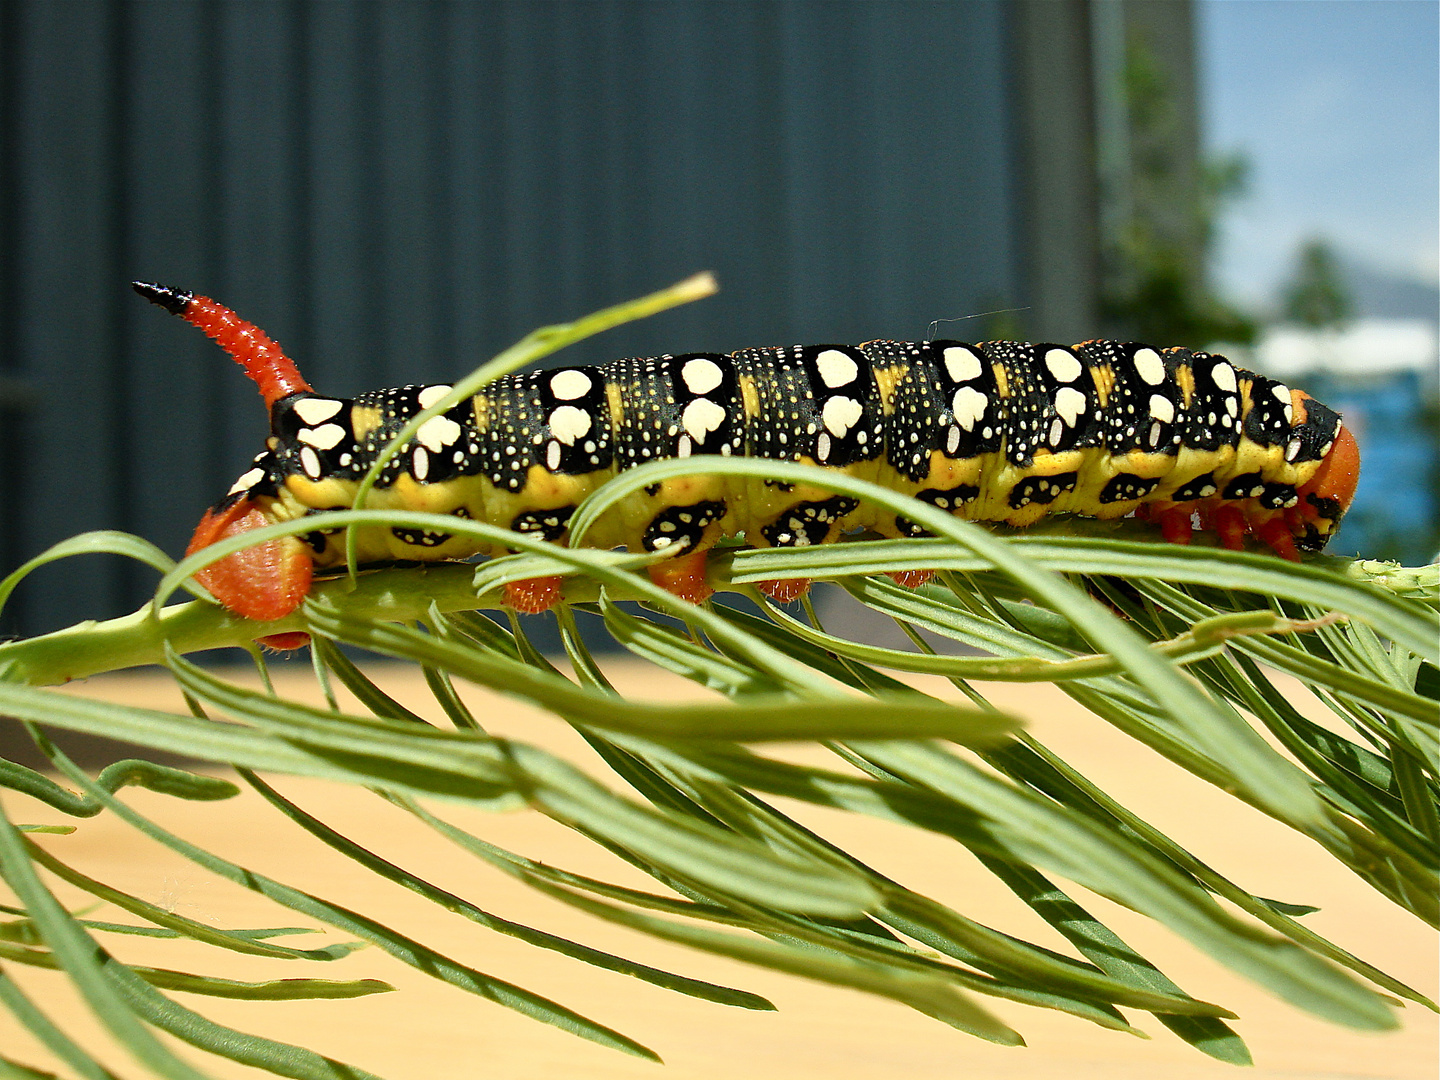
x: 935, y: 324
x: 998, y: 432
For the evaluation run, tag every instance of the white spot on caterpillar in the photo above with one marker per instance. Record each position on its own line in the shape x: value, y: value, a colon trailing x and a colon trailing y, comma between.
x: 1292, y: 451
x: 701, y: 375
x: 822, y: 447
x: 1063, y: 365
x: 1282, y: 395
x: 684, y: 446
x: 438, y: 432
x: 246, y: 482
x: 570, y: 384
x: 1069, y: 404
x: 1057, y: 432
x: 552, y: 455
x: 1149, y: 366
x: 969, y: 406
x: 952, y: 440
x: 961, y: 364
x: 567, y: 423
x: 1155, y: 433
x: 836, y: 369
x: 840, y: 414
x: 429, y: 395
x: 1162, y: 409
x: 317, y: 410
x: 701, y: 417
x: 420, y: 464
x: 1223, y: 376
x: 310, y: 462
x: 325, y: 437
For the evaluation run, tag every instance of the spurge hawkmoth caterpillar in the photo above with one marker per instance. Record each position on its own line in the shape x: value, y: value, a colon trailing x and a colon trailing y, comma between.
x: 1001, y: 432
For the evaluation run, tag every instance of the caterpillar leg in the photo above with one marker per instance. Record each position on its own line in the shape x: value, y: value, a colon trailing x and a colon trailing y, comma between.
x: 1277, y: 535
x: 1230, y: 525
x: 285, y: 642
x: 533, y: 595
x: 1175, y: 526
x: 684, y: 576
x: 911, y: 579
x: 263, y: 582
x: 784, y: 590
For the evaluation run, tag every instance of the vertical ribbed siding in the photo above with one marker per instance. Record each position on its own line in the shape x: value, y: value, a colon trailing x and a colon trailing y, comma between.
x: 397, y: 190
x: 12, y: 392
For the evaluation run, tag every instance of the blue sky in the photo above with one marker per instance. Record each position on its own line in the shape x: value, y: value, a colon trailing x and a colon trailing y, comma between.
x: 1337, y: 105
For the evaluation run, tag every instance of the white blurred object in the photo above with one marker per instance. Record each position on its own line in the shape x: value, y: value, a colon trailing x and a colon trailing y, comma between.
x: 1365, y: 347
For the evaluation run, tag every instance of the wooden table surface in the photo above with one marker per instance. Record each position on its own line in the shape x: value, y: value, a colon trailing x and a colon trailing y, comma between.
x: 428, y: 1030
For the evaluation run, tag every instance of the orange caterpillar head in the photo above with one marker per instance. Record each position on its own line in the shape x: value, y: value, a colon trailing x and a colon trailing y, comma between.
x: 1327, y: 495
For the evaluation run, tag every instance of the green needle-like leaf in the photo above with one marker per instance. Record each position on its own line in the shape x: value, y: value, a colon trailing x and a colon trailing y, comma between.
x: 1177, y: 648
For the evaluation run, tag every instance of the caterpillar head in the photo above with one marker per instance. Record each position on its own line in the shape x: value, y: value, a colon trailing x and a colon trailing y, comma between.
x: 268, y: 580
x: 1327, y: 495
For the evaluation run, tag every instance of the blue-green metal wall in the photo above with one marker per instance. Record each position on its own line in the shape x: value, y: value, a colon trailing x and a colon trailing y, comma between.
x: 396, y: 190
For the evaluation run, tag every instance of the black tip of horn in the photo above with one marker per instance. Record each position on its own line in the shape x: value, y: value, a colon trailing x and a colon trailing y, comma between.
x: 174, y: 301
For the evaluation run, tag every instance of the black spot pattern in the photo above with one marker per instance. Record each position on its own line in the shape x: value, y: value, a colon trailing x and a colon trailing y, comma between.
x: 679, y: 528
x: 1202, y: 487
x: 1278, y: 496
x: 808, y: 523
x: 558, y: 418
x: 1141, y: 408
x: 548, y: 524
x: 421, y: 537
x: 1267, y: 421
x: 428, y: 459
x: 1041, y: 489
x: 1248, y: 486
x: 819, y: 402
x: 1127, y: 486
x: 1212, y: 419
x: 945, y: 401
x: 949, y: 500
x: 676, y: 406
x: 1312, y: 440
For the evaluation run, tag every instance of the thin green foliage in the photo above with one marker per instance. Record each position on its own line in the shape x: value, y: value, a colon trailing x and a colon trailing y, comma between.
x: 1177, y: 648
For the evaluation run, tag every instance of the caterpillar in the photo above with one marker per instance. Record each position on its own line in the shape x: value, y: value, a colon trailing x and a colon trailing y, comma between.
x: 997, y: 432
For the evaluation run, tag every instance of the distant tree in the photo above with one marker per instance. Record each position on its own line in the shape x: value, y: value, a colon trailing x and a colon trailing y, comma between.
x: 1155, y: 282
x: 1317, y: 297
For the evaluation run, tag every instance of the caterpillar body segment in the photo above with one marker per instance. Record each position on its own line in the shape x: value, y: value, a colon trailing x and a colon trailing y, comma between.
x: 1004, y: 432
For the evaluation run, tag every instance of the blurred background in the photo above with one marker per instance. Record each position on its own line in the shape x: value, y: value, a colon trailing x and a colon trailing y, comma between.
x: 397, y: 190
